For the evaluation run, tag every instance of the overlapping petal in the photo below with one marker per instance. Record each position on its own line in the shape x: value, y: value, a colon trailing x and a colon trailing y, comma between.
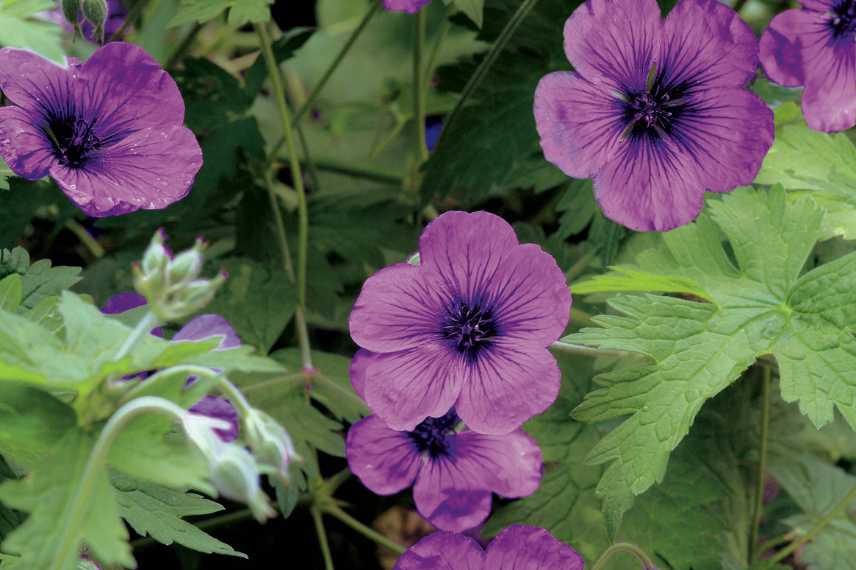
x: 829, y: 101
x: 207, y: 326
x: 34, y: 83
x: 511, y: 463
x: 782, y: 45
x: 442, y: 551
x: 23, y: 145
x: 385, y: 460
x: 522, y: 547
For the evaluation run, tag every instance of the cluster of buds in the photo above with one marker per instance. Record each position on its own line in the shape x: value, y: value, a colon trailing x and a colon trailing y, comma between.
x: 172, y: 284
x: 94, y: 11
x: 233, y: 470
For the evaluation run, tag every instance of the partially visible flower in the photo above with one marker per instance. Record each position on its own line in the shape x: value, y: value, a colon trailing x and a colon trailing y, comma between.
x: 410, y: 6
x: 655, y: 112
x: 815, y: 47
x: 453, y: 473
x: 109, y: 131
x: 517, y: 547
x: 198, y: 328
x: 469, y: 327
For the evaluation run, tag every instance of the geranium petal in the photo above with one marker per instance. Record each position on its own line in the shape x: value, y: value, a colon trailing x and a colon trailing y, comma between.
x: 357, y: 371
x: 442, y: 551
x: 829, y: 101
x: 406, y: 387
x: 521, y: 547
x: 385, y: 460
x: 510, y: 465
x: 149, y: 169
x: 32, y: 82
x: 221, y: 409
x: 207, y: 326
x: 450, y: 496
x: 23, y: 145
x: 508, y: 384
x: 782, y: 45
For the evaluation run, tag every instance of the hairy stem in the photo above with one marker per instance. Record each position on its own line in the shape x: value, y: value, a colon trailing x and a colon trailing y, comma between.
x: 322, y: 538
x: 419, y: 87
x: 813, y: 531
x: 303, y: 212
x: 627, y: 548
x: 364, y: 530
x: 480, y: 73
x: 758, y: 511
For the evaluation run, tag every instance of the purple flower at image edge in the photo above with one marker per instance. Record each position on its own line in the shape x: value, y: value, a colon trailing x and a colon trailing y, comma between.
x: 517, y: 547
x: 115, y: 20
x: 409, y: 6
x: 467, y: 328
x: 815, y: 47
x: 109, y: 131
x: 199, y: 328
x: 453, y: 473
x: 656, y: 112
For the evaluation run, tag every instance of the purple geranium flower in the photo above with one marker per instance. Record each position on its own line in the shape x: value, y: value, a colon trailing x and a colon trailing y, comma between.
x: 518, y: 547
x: 815, y: 46
x: 453, y: 473
x: 467, y: 328
x: 198, y: 328
x: 410, y: 6
x: 109, y: 132
x: 655, y: 112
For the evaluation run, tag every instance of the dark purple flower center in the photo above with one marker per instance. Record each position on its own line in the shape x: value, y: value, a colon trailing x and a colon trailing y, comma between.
x: 469, y: 328
x: 432, y: 435
x: 73, y: 140
x: 842, y: 20
x: 653, y: 113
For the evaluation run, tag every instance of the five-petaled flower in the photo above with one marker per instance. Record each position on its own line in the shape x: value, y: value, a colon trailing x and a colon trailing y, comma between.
x: 468, y: 328
x: 410, y: 6
x: 198, y: 328
x: 109, y: 131
x: 655, y: 112
x: 453, y: 473
x: 815, y: 46
x: 518, y: 547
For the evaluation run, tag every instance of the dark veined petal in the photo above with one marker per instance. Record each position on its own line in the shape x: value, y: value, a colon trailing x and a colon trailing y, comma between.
x: 522, y: 547
x: 406, y: 387
x: 149, y: 169
x: 782, y: 45
x: 651, y: 185
x: 399, y: 307
x: 450, y: 496
x: 531, y: 296
x: 829, y: 101
x: 614, y: 42
x: 509, y: 465
x: 462, y: 252
x: 23, y: 145
x: 508, y: 384
x: 579, y: 123
x: 32, y: 82
x: 443, y: 551
x: 706, y: 43
x: 385, y: 460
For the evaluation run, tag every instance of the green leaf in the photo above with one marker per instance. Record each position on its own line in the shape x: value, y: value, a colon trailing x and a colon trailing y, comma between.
x: 809, y: 162
x: 257, y: 301
x: 18, y: 30
x: 576, y: 207
x: 817, y: 488
x: 39, y: 280
x: 474, y: 9
x: 71, y: 504
x: 158, y: 511
x: 31, y: 422
x: 240, y: 11
x: 5, y: 174
x: 10, y: 519
x: 11, y: 292
x: 626, y: 279
x: 759, y: 305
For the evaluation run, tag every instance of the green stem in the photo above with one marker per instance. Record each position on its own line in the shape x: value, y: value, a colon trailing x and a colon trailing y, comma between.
x: 144, y: 327
x: 359, y: 172
x: 758, y: 511
x: 316, y: 91
x: 445, y: 26
x: 776, y: 541
x: 419, y: 87
x: 287, y: 263
x: 369, y: 533
x: 626, y: 547
x: 87, y: 240
x: 821, y: 524
x: 582, y: 350
x: 480, y: 73
x: 302, y: 209
x: 322, y: 539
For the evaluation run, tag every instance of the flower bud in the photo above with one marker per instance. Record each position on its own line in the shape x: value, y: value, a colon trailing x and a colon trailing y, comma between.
x: 96, y: 11
x: 270, y: 442
x: 156, y: 257
x: 235, y: 474
x: 187, y: 265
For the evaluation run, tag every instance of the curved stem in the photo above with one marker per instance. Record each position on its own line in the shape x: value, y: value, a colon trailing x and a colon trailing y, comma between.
x: 419, y: 87
x: 821, y: 524
x: 758, y: 511
x: 297, y: 176
x: 626, y: 547
x: 369, y: 533
x: 85, y: 238
x: 480, y: 73
x: 322, y: 539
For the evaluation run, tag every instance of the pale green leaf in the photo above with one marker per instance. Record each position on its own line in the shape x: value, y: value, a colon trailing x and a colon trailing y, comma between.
x: 474, y: 9
x: 11, y: 292
x: 19, y: 31
x: 158, y: 511
x: 31, y: 422
x: 240, y: 11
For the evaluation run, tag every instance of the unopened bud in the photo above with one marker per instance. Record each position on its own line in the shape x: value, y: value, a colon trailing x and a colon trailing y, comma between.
x: 96, y: 11
x: 156, y: 256
x: 187, y: 265
x: 270, y: 443
x: 235, y: 474
x: 71, y: 12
